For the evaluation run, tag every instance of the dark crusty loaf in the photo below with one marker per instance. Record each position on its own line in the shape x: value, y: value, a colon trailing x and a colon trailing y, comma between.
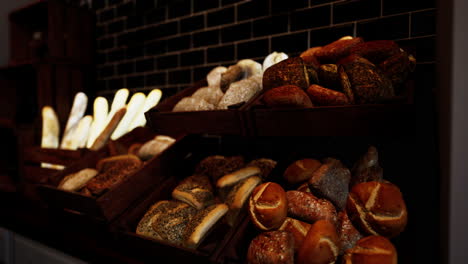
x: 274, y: 247
x: 367, y: 168
x: 291, y: 71
x: 346, y: 84
x: 332, y: 52
x: 328, y: 76
x: 398, y: 67
x: 376, y: 51
x: 195, y: 190
x: 286, y: 96
x: 306, y: 207
x: 331, y: 181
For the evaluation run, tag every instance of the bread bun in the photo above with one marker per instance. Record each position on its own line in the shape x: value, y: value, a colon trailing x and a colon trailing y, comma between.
x: 322, y: 96
x: 308, y: 208
x: 265, y: 166
x: 301, y: 170
x: 195, y: 190
x: 370, y: 250
x: 268, y: 206
x: 320, y: 245
x: 367, y: 168
x: 286, y: 96
x: 348, y: 234
x: 298, y: 229
x: 77, y: 180
x: 271, y: 247
x: 336, y: 50
x: 287, y: 72
x: 377, y: 50
x: 377, y: 208
x: 134, y: 148
x: 309, y: 57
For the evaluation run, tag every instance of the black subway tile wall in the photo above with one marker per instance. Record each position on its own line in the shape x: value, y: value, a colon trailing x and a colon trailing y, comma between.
x: 142, y: 44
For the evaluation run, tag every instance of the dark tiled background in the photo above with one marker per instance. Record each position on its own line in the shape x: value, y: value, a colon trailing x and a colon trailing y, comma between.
x: 173, y: 43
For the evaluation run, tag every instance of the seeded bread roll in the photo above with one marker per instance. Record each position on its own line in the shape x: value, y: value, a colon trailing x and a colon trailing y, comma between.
x: 187, y: 104
x: 377, y: 208
x: 370, y: 250
x: 331, y: 181
x: 195, y: 190
x: 274, y: 247
x: 239, y: 195
x: 320, y: 246
x: 301, y: 170
x: 266, y: 166
x: 106, y: 163
x: 298, y: 229
x: 347, y: 233
x: 77, y: 180
x: 287, y: 96
x: 268, y: 206
x: 308, y: 208
x: 367, y: 168
x: 202, y: 222
x: 211, y: 94
x: 171, y: 220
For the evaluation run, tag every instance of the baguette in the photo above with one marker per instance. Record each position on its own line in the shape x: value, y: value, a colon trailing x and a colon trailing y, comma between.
x: 101, y: 109
x: 151, y: 101
x: 102, y: 139
x: 81, y: 134
x: 50, y: 133
x: 77, y: 180
x: 78, y: 109
x: 133, y: 108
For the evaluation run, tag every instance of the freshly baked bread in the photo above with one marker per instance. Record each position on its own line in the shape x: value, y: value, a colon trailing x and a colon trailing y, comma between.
x: 291, y: 71
x: 241, y: 91
x: 398, y: 67
x: 377, y: 208
x: 77, y: 180
x: 332, y: 52
x: 376, y: 51
x: 268, y: 206
x: 367, y: 168
x: 347, y: 233
x: 192, y: 104
x: 250, y: 68
x: 214, y: 76
x: 233, y: 74
x: 298, y: 229
x: 195, y: 190
x: 266, y: 166
x: 239, y: 195
x: 331, y: 181
x: 102, y: 139
x: 273, y: 58
x: 346, y: 84
x: 170, y: 220
x: 370, y: 250
x: 353, y: 58
x: 211, y: 94
x: 306, y: 207
x: 286, y: 96
x: 301, y: 170
x: 112, y: 171
x: 274, y: 247
x: 236, y: 176
x: 309, y: 57
x: 155, y: 147
x: 202, y: 222
x: 320, y: 245
x: 218, y: 166
x: 80, y: 102
x: 326, y: 97
x: 328, y: 76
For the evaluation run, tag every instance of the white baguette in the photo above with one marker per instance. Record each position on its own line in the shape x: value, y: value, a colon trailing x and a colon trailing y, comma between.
x: 77, y: 112
x: 151, y: 101
x: 101, y: 109
x: 50, y: 133
x: 133, y: 107
x: 102, y: 139
x: 119, y: 101
x: 81, y: 134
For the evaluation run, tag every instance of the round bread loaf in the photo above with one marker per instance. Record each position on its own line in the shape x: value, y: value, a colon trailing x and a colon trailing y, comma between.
x: 308, y: 208
x: 301, y: 170
x: 286, y: 96
x: 272, y: 247
x: 377, y: 208
x: 371, y: 249
x: 320, y: 246
x: 268, y: 206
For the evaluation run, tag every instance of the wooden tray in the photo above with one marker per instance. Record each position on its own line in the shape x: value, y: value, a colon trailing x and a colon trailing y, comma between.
x: 162, y: 119
x: 113, y: 202
x: 396, y: 117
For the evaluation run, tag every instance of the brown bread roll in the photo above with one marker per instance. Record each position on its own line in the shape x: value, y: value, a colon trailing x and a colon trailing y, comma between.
x: 347, y: 233
x: 308, y: 208
x: 301, y: 170
x: 353, y: 58
x: 309, y: 57
x: 266, y: 166
x: 398, y: 67
x: 274, y: 247
x: 298, y: 229
x: 326, y: 97
x: 287, y: 96
x: 320, y: 246
x: 331, y: 181
x: 195, y: 190
x: 336, y: 50
x: 367, y: 168
x: 291, y: 71
x: 268, y: 206
x: 377, y: 50
x: 370, y: 250
x: 377, y: 208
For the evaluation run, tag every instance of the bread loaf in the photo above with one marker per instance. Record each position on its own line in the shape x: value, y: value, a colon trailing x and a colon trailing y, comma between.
x: 241, y: 91
x: 155, y: 147
x: 77, y: 180
x: 347, y: 233
x: 218, y: 166
x: 236, y: 176
x: 320, y: 245
x: 301, y: 170
x: 309, y: 57
x: 271, y: 247
x: 77, y: 112
x: 377, y: 208
x: 50, y: 133
x: 376, y: 51
x: 102, y: 139
x: 106, y: 163
x: 326, y: 97
x: 152, y: 99
x: 286, y: 96
x: 211, y: 94
x: 265, y: 166
x: 250, y: 68
x: 195, y: 190
x: 188, y: 104
x: 367, y: 168
x: 100, y: 110
x: 370, y: 250
x: 328, y: 76
x: 273, y: 58
x: 238, y: 197
x: 306, y: 207
x: 232, y: 74
x: 134, y: 148
x: 332, y: 52
x: 298, y: 229
x: 268, y: 206
x: 214, y: 76
x: 398, y: 67
x: 291, y: 71
x: 346, y: 84
x: 331, y: 181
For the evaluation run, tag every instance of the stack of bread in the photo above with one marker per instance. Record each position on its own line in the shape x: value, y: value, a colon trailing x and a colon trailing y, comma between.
x: 334, y: 215
x: 228, y: 87
x: 347, y: 71
x: 112, y: 170
x: 93, y: 131
x: 216, y: 192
